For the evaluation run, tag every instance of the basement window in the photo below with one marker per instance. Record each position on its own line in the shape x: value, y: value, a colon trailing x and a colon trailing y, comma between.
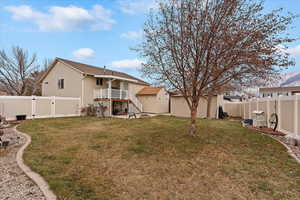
x: 99, y: 81
x: 61, y: 84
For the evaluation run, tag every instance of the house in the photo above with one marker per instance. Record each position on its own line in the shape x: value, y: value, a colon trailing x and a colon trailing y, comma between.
x: 279, y: 91
x: 154, y: 99
x: 180, y: 108
x: 116, y: 91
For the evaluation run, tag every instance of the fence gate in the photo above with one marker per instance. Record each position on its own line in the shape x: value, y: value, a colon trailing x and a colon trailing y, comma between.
x: 39, y: 107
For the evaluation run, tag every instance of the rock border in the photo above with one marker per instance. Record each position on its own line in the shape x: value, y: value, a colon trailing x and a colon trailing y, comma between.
x: 35, y: 177
x: 289, y: 150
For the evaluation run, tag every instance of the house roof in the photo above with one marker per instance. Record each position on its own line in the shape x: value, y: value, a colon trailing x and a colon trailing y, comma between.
x: 280, y: 89
x: 149, y: 91
x: 93, y: 70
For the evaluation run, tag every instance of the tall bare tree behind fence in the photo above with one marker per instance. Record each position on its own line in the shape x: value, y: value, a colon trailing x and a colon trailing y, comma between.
x: 198, y: 47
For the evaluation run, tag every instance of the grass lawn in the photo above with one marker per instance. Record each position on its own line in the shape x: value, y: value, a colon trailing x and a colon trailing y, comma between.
x: 103, y: 159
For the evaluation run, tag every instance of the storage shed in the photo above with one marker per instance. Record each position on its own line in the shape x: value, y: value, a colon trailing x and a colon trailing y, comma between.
x: 154, y: 99
x: 180, y: 108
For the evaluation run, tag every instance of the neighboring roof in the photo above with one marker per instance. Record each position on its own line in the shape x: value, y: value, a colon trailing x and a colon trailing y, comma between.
x: 178, y: 93
x: 280, y: 89
x: 3, y: 93
x: 93, y: 70
x: 230, y: 98
x: 149, y: 91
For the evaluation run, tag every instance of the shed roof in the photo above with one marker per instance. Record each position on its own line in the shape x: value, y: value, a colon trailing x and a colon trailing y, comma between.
x: 149, y: 91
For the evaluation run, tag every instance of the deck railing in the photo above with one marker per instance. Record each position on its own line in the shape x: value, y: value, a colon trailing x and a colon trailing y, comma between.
x: 110, y: 94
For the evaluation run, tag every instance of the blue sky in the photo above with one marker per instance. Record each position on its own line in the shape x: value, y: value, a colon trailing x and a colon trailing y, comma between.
x: 98, y: 32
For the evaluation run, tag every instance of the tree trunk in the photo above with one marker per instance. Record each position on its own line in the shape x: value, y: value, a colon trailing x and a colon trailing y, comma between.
x: 193, y: 128
x: 208, y: 107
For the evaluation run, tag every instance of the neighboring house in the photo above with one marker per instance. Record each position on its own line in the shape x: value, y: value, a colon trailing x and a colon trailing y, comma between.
x: 180, y: 108
x: 233, y: 98
x: 114, y: 90
x: 279, y: 91
x: 154, y: 99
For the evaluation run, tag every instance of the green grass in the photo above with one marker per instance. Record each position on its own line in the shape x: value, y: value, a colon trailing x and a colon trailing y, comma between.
x: 103, y: 159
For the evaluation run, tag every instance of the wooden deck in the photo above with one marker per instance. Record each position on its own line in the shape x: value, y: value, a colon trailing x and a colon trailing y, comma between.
x: 107, y: 99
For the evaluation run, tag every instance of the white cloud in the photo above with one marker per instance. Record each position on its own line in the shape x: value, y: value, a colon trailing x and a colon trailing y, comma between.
x: 294, y: 51
x: 127, y: 64
x: 64, y: 18
x: 133, y: 35
x: 84, y: 53
x: 134, y: 7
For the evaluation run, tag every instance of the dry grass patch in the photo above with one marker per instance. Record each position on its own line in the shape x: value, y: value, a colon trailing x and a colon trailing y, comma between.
x: 98, y: 159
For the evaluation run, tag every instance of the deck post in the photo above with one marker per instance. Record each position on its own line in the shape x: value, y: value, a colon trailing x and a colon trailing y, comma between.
x: 109, y: 96
x: 109, y: 89
x: 121, y: 89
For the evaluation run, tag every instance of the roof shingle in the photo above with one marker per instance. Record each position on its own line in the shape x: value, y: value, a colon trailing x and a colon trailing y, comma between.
x: 93, y: 70
x: 149, y: 91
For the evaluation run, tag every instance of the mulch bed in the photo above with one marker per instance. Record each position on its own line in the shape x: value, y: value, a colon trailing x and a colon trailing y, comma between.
x: 265, y: 130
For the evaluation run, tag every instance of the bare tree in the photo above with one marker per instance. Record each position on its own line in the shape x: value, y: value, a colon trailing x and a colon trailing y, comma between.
x: 34, y: 86
x: 15, y: 70
x: 196, y: 46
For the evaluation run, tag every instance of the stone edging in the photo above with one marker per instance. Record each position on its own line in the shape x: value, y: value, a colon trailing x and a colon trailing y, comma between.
x: 289, y: 150
x: 41, y: 183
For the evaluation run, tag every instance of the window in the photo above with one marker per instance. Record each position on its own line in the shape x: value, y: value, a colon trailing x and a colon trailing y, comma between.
x: 99, y: 81
x: 61, y: 84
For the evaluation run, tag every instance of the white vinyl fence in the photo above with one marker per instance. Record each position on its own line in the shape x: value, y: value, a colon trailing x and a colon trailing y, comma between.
x: 38, y: 107
x: 286, y: 107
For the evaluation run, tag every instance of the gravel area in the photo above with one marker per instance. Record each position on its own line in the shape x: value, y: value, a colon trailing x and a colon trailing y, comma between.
x: 14, y: 184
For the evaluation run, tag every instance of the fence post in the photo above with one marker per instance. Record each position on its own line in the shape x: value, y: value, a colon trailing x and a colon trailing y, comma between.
x: 33, y: 106
x: 244, y: 115
x: 296, y: 117
x: 279, y: 113
x: 249, y: 110
x: 79, y: 107
x: 53, y: 102
x: 240, y: 107
x: 268, y: 112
